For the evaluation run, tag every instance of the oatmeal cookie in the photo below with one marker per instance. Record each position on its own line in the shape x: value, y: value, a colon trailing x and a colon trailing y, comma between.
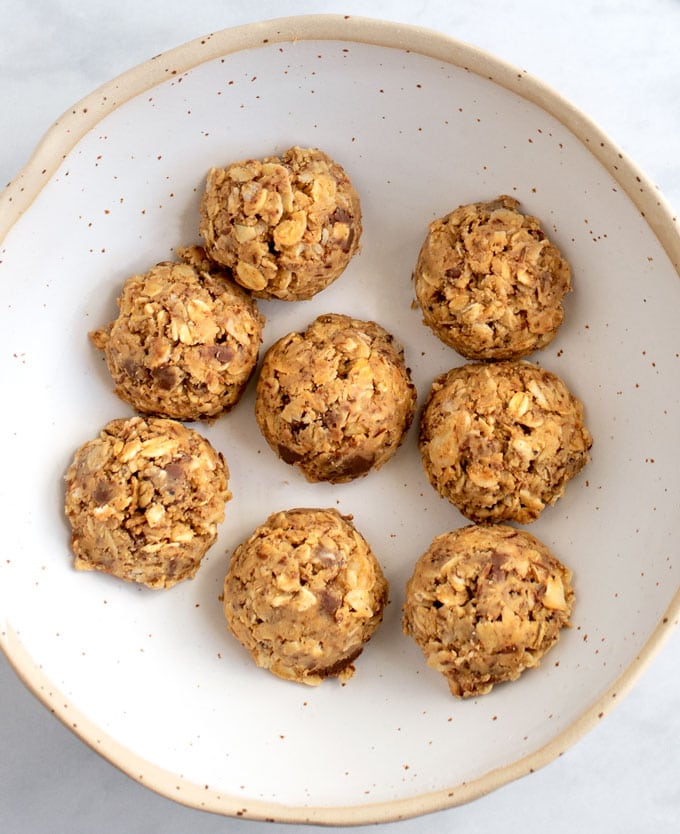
x: 144, y: 500
x: 304, y: 593
x: 186, y: 339
x: 489, y: 282
x: 335, y: 400
x: 287, y: 226
x: 484, y: 604
x: 501, y: 440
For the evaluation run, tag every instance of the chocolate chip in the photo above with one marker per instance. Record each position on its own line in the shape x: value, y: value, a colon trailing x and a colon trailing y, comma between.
x: 347, y: 244
x: 222, y: 353
x: 174, y: 472
x: 327, y: 557
x: 336, y: 668
x: 288, y: 455
x: 133, y: 369
x: 341, y: 215
x: 166, y: 377
x: 329, y: 602
x: 103, y: 493
x: 497, y: 572
x: 354, y: 466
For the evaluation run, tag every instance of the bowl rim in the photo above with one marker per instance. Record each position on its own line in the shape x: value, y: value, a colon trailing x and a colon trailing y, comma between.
x: 54, y: 147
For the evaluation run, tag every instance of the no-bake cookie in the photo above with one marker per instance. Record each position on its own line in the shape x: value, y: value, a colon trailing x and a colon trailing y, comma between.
x: 304, y: 593
x: 287, y: 226
x: 484, y: 604
x: 501, y: 440
x: 489, y: 282
x: 335, y: 400
x: 185, y: 341
x: 144, y: 500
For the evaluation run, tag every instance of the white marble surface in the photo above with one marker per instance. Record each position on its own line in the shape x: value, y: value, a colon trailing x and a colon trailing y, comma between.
x: 617, y: 60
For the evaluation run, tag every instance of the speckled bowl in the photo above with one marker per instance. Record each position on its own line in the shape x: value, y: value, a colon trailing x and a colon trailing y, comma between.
x: 421, y: 123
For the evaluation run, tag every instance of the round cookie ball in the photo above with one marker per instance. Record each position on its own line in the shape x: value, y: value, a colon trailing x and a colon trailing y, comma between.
x: 144, y: 500
x: 304, y: 594
x: 501, y: 440
x: 287, y: 226
x: 485, y: 603
x: 336, y: 400
x: 489, y: 282
x: 185, y: 342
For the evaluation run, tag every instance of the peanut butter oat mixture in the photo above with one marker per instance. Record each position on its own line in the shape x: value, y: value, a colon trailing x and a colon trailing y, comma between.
x: 144, y: 500
x: 484, y: 604
x: 501, y: 440
x: 336, y: 400
x: 489, y: 282
x: 185, y: 341
x: 304, y: 594
x: 287, y: 226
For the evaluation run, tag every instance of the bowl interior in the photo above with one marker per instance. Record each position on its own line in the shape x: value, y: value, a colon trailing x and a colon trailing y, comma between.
x: 157, y: 674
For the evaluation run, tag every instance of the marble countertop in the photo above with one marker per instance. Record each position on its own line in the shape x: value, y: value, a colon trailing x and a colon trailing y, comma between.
x: 616, y: 60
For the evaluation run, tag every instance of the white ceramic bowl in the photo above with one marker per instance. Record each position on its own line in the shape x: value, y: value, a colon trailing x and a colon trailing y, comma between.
x: 153, y: 680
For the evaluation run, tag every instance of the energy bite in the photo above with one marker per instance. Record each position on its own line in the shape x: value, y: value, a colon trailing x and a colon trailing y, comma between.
x: 144, y: 500
x: 335, y: 400
x: 287, y: 226
x: 489, y: 282
x: 304, y: 593
x: 484, y: 604
x: 501, y: 440
x: 186, y: 339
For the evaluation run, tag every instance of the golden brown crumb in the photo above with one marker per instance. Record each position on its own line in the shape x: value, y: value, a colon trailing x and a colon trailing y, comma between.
x: 485, y: 603
x: 490, y: 283
x: 304, y: 593
x: 185, y: 341
x: 501, y: 440
x: 144, y: 499
x: 287, y: 226
x: 336, y: 400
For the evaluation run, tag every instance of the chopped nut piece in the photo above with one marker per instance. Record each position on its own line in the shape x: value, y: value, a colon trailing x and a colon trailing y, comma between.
x: 289, y: 232
x: 485, y: 603
x: 554, y: 594
x: 250, y: 277
x: 304, y: 593
x: 243, y: 234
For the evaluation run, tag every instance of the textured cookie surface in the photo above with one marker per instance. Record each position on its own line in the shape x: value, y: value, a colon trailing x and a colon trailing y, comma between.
x: 490, y: 283
x: 144, y: 499
x: 336, y: 400
x: 287, y: 226
x: 304, y: 593
x: 484, y: 604
x: 185, y: 341
x: 501, y: 440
